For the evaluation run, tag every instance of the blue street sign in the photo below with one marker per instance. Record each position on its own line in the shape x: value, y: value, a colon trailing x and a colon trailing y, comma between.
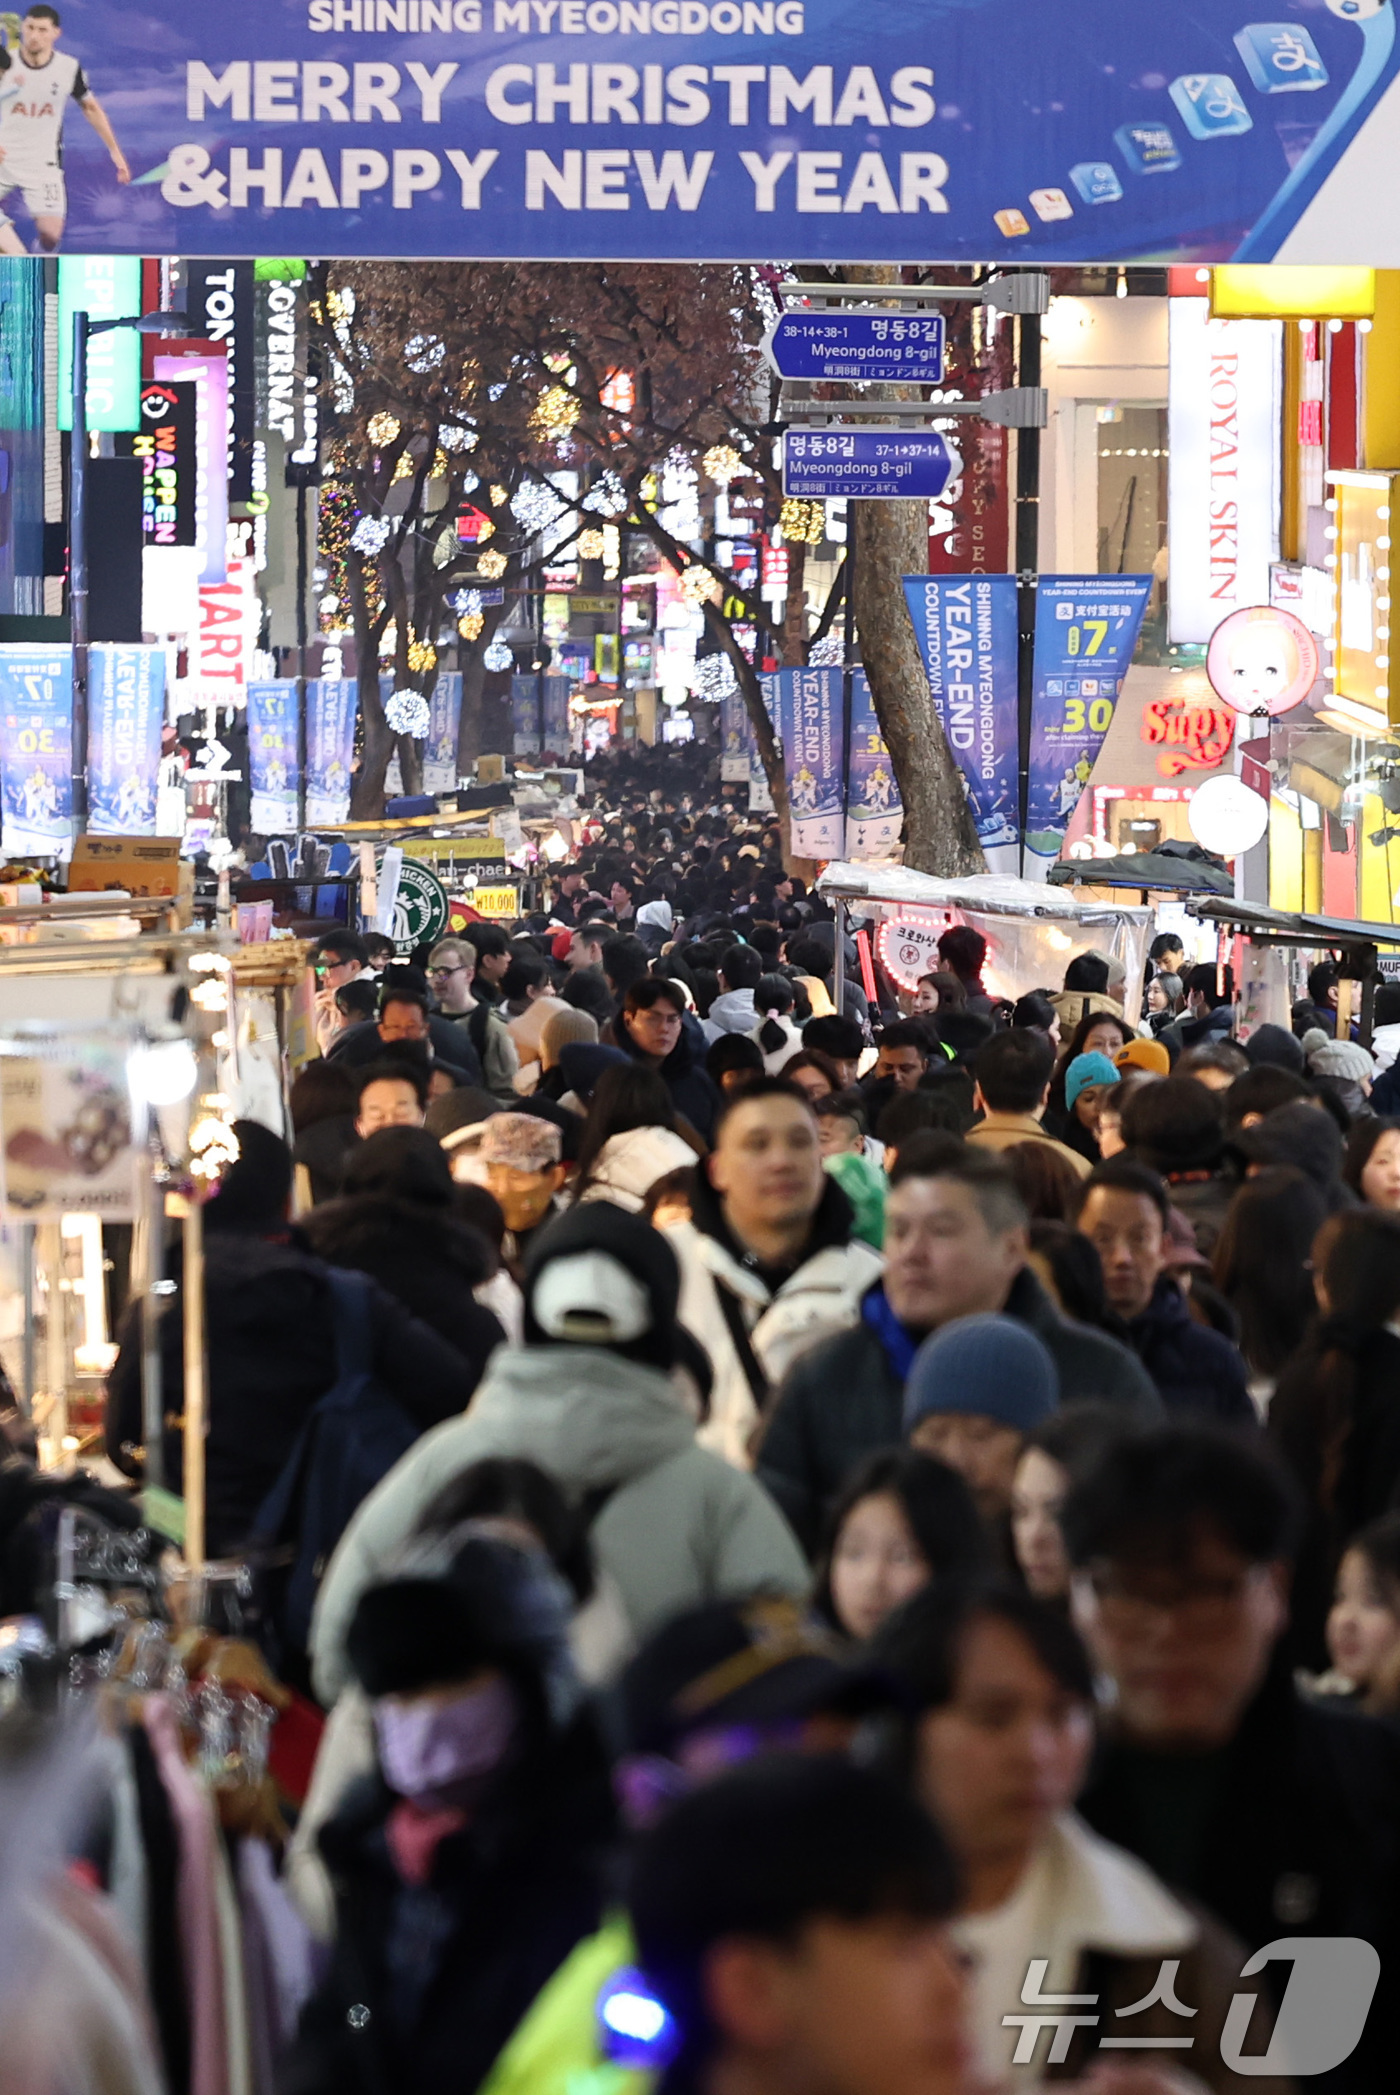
x: 884, y: 463
x: 858, y: 345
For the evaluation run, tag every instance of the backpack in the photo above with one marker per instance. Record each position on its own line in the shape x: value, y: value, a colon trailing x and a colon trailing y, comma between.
x: 352, y: 1438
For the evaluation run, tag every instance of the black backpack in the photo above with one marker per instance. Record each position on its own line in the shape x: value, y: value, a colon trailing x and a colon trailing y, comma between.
x: 353, y: 1437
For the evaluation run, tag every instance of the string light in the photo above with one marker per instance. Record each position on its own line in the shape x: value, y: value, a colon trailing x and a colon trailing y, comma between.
x: 535, y: 506
x: 453, y: 437
x: 590, y: 545
x: 698, y: 586
x: 607, y: 497
x: 467, y: 601
x: 497, y: 655
x: 713, y: 678
x: 556, y: 412
x: 499, y: 495
x: 422, y: 655
x: 826, y: 653
x: 382, y: 429
x: 803, y: 522
x: 469, y: 625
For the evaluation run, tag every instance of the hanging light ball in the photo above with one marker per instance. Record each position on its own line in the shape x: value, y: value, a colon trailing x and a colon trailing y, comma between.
x: 493, y: 565
x: 713, y: 678
x: 371, y: 534
x: 407, y: 714
x: 497, y: 655
x: 469, y: 625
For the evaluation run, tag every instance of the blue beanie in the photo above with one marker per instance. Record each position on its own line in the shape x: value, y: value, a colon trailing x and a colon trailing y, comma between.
x: 1086, y: 1070
x: 992, y: 1367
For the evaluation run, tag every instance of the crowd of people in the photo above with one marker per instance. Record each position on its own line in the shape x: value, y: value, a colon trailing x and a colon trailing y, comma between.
x: 823, y: 1552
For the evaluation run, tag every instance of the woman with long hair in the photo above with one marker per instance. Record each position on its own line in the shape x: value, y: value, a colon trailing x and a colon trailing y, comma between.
x: 1335, y: 1415
x: 777, y: 1033
x: 1098, y: 1033
x: 1262, y: 1265
x: 903, y: 1521
x: 630, y: 1138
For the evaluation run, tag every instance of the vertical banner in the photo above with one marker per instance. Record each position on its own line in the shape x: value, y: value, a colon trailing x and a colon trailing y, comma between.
x: 444, y: 718
x: 874, y: 814
x: 165, y: 445
x: 219, y: 300
x: 554, y: 725
x: 1086, y: 627
x: 36, y: 750
x: 126, y: 709
x: 272, y: 756
x: 525, y: 712
x: 966, y: 629
x: 736, y: 738
x: 1224, y: 379
x: 814, y: 758
x: 210, y: 378
x: 105, y: 287
x: 330, y: 745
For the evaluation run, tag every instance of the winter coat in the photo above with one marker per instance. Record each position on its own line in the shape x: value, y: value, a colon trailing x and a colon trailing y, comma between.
x: 1197, y: 1372
x: 1000, y: 1131
x: 1071, y: 1005
x: 490, y: 1037
x: 1367, y: 1463
x: 629, y: 1165
x: 1105, y: 1926
x: 731, y: 1013
x: 1293, y: 1828
x: 360, y: 1044
x: 775, y: 1058
x: 271, y: 1343
x: 1207, y: 1031
x: 427, y: 1982
x: 845, y: 1399
x: 820, y: 1298
x: 678, y: 1526
x: 428, y: 1260
x: 1204, y: 1199
x: 693, y: 1093
x: 323, y: 1148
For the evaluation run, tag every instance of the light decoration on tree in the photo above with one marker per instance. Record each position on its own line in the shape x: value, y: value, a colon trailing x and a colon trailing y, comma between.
x: 499, y: 495
x: 804, y: 523
x: 470, y: 481
x: 713, y: 678
x: 497, y: 655
x: 407, y: 714
x: 607, y: 497
x: 612, y: 552
x: 556, y: 412
x: 699, y: 586
x: 721, y: 463
x: 422, y: 655
x: 453, y: 437
x: 590, y: 545
x: 492, y: 565
x: 371, y: 534
x: 680, y: 497
x: 405, y: 466
x: 382, y: 429
x: 535, y: 506
x: 467, y: 601
x: 469, y: 625
x: 826, y: 653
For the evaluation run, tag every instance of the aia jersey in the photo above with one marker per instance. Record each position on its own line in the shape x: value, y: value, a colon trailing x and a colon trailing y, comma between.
x: 33, y: 103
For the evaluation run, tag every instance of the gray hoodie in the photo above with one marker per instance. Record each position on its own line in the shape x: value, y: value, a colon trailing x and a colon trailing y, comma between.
x: 731, y: 1013
x: 681, y: 1525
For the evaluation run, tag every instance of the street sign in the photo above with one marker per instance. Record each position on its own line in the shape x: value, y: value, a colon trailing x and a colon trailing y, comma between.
x: 838, y: 345
x: 882, y: 463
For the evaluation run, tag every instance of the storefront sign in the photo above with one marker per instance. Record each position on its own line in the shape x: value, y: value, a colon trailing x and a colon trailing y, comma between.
x: 1086, y: 628
x: 36, y: 749
x: 966, y: 629
x: 105, y: 288
x: 1262, y: 661
x: 220, y: 302
x: 126, y: 708
x: 66, y: 1121
x: 228, y: 623
x: 1223, y: 474
x: 1034, y: 130
x: 907, y: 946
x: 165, y: 444
x: 209, y: 375
x: 498, y: 904
x: 1188, y: 737
x: 420, y: 907
x: 1226, y: 816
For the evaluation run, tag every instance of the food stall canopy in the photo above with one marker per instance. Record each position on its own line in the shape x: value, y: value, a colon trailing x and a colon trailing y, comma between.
x: 1284, y: 927
x: 1032, y: 931
x: 1183, y: 870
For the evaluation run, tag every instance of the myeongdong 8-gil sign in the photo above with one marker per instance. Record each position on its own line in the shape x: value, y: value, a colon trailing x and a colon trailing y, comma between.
x: 1005, y: 130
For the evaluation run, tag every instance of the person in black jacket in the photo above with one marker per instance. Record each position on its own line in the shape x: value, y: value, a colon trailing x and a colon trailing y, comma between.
x: 270, y: 1324
x: 1124, y: 1212
x: 651, y: 1028
x: 395, y: 1223
x: 1279, y: 1815
x: 956, y: 1239
x: 469, y: 1866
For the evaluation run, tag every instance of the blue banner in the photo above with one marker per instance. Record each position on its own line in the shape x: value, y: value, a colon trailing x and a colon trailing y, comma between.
x: 555, y: 724
x: 1086, y: 627
x: 525, y: 700
x: 273, y: 772
x: 444, y: 718
x: 126, y: 710
x: 736, y: 738
x: 812, y: 727
x: 36, y: 750
x: 330, y: 745
x: 874, y: 813
x: 966, y: 629
x: 1017, y: 130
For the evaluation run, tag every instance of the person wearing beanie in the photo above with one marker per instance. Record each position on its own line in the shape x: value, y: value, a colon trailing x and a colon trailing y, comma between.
x: 1346, y: 1070
x: 469, y: 1865
x: 1276, y: 1045
x: 976, y: 1388
x: 563, y: 1028
x: 603, y: 1395
x: 271, y: 1319
x: 1087, y: 1080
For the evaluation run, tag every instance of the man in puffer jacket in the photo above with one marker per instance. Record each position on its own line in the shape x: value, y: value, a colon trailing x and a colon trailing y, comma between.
x: 594, y: 1398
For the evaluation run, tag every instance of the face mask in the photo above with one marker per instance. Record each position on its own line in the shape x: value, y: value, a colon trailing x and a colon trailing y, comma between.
x: 427, y: 1750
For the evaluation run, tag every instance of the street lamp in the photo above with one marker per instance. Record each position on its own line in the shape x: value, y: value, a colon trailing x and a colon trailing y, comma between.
x: 169, y: 323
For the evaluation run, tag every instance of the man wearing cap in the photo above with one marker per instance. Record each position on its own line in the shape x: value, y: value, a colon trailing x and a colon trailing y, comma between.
x: 977, y: 1387
x: 1145, y: 1054
x: 451, y: 972
x: 602, y: 1395
x: 1013, y: 1072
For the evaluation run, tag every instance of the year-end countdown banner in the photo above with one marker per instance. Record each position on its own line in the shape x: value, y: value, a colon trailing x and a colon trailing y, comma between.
x: 740, y: 130
x: 126, y: 701
x: 1086, y: 628
x: 966, y: 630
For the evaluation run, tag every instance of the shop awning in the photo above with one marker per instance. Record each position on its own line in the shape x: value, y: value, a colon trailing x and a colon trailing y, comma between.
x: 1147, y: 869
x: 1284, y: 927
x: 988, y: 894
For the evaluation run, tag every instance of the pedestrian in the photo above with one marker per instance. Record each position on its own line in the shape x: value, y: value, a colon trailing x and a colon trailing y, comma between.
x: 602, y: 1395
x: 454, y: 965
x: 1124, y: 1212
x: 1363, y: 1624
x: 733, y: 1010
x: 1165, y: 1002
x: 1210, y: 1000
x: 904, y: 1520
x: 1065, y: 1443
x: 776, y: 1032
x: 769, y: 1263
x: 630, y: 1139
x: 651, y: 1028
x: 962, y: 952
x: 322, y: 1103
x: 519, y: 1159
x: 956, y: 1245
x: 790, y: 1921
x: 1013, y: 1073
x: 1005, y: 1729
x: 1303, y: 1135
x: 1346, y: 1070
x: 1177, y: 1129
x: 1334, y: 1418
x: 1263, y: 1266
x: 1371, y: 1166
x: 976, y: 1388
x: 1085, y: 996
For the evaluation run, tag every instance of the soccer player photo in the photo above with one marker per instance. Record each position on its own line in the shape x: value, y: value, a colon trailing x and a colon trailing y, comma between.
x: 37, y: 82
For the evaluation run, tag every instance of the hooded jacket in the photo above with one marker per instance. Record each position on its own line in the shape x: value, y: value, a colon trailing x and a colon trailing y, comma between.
x: 820, y: 1297
x: 424, y: 1256
x: 731, y: 1013
x: 845, y: 1399
x: 629, y: 1165
x: 679, y: 1526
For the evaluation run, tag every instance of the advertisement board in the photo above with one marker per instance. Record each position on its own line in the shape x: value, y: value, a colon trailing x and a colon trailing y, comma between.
x: 966, y: 629
x: 737, y: 129
x: 1223, y: 383
x: 36, y: 749
x: 1086, y: 627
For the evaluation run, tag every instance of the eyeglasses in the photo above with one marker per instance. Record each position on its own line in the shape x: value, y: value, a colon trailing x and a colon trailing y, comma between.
x: 436, y: 973
x: 1200, y: 1604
